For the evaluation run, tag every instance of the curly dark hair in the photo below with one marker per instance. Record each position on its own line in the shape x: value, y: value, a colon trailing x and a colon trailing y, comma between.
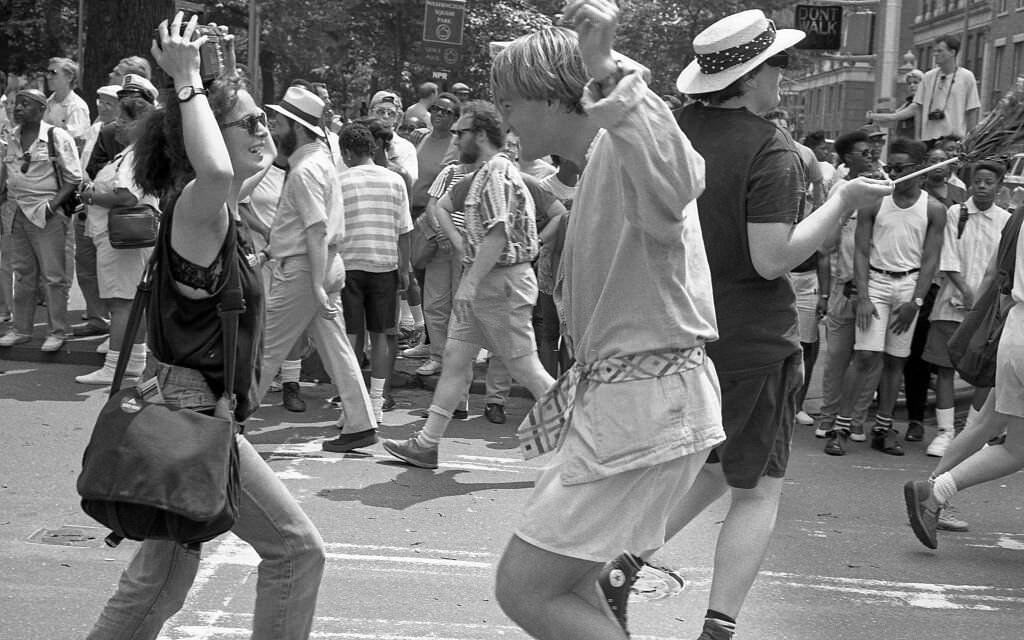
x: 916, y: 149
x: 161, y: 163
x: 356, y: 138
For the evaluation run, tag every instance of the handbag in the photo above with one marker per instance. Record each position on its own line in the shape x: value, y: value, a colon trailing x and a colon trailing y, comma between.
x: 422, y: 243
x: 972, y: 347
x: 151, y: 471
x: 134, y: 226
x: 72, y: 204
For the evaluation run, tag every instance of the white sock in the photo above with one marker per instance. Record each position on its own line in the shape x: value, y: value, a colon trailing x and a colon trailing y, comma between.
x: 137, y: 359
x: 417, y: 314
x: 437, y: 423
x: 972, y: 415
x: 945, y: 418
x: 405, y: 314
x: 290, y: 370
x: 944, y: 488
x: 377, y: 387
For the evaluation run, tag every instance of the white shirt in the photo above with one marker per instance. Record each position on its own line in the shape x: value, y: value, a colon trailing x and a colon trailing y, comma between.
x: 954, y: 94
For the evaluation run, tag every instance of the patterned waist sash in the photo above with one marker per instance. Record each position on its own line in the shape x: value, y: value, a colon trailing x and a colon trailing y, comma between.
x: 544, y: 428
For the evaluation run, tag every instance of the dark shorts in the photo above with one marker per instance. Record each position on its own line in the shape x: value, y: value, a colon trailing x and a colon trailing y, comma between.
x: 935, y: 350
x: 373, y: 296
x: 758, y: 409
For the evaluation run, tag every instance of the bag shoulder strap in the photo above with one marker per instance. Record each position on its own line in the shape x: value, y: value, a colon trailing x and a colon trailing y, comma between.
x: 230, y: 306
x: 51, y: 148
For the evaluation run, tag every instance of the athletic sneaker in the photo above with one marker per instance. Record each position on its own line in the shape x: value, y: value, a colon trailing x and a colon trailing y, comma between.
x: 346, y: 442
x: 949, y: 522
x: 923, y: 511
x: 615, y: 582
x: 412, y: 452
x: 802, y: 418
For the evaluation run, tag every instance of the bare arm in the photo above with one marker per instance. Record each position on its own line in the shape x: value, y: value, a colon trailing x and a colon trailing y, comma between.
x: 971, y: 118
x: 487, y: 254
x: 316, y: 247
x: 861, y: 265
x: 777, y: 247
x: 904, y: 113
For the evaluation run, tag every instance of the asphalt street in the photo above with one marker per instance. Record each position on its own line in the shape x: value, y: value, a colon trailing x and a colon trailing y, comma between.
x: 411, y: 552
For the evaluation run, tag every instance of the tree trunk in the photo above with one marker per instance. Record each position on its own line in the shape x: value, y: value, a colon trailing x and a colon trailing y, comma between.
x: 116, y: 29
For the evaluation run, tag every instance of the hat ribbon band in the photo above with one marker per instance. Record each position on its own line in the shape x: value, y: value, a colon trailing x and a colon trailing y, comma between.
x: 300, y: 114
x: 719, y: 61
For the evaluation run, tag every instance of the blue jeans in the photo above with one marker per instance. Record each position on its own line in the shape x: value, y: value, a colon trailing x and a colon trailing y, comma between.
x: 156, y: 582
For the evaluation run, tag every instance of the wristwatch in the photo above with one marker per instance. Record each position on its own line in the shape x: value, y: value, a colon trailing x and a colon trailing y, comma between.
x: 919, y: 302
x: 188, y: 92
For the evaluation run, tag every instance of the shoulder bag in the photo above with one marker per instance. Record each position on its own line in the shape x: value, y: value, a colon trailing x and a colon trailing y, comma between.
x: 151, y: 471
x: 133, y: 226
x: 72, y: 204
x: 972, y: 347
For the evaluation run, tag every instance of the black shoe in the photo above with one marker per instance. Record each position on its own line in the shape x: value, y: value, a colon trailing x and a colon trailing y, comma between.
x: 460, y: 414
x: 915, y: 432
x: 495, y: 413
x: 887, y: 441
x: 389, y: 403
x: 615, y: 582
x: 85, y: 329
x: 290, y: 397
x: 349, y: 441
x: 837, y: 442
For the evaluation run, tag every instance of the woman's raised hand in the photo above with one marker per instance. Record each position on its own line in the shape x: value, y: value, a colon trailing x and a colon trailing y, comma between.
x: 175, y: 50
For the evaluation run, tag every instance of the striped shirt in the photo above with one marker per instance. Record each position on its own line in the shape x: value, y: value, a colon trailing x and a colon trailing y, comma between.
x: 376, y: 214
x: 499, y: 195
x: 446, y: 180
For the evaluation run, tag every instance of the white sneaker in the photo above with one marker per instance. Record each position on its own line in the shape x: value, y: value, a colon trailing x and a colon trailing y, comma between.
x: 104, y: 346
x: 482, y: 356
x: 102, y: 376
x: 378, y: 408
x: 429, y: 368
x: 937, y: 447
x: 804, y: 419
x: 52, y: 343
x: 12, y: 338
x: 419, y: 351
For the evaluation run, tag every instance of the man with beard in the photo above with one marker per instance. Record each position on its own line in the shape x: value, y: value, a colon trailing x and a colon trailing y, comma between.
x: 494, y: 303
x: 305, y: 239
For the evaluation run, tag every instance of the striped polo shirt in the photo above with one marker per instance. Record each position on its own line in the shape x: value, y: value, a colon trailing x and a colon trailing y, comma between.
x: 376, y: 214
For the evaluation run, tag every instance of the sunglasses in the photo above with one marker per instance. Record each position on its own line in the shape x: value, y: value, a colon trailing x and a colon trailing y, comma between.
x: 250, y: 123
x: 899, y: 168
x: 864, y: 153
x: 385, y: 114
x: 441, y: 111
x: 51, y: 72
x: 459, y: 132
x: 27, y: 160
x: 780, y: 60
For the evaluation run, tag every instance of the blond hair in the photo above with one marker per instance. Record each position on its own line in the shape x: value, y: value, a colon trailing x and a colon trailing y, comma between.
x: 545, y: 65
x: 68, y: 67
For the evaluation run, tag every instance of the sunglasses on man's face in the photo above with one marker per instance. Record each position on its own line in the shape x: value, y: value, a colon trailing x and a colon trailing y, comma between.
x: 780, y: 60
x: 250, y: 123
x: 441, y: 111
x: 893, y: 169
x: 385, y: 114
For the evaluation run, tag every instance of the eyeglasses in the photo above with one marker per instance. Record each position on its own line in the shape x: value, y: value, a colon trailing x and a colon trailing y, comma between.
x: 385, y: 114
x: 864, y: 153
x: 780, y: 60
x: 441, y: 111
x: 249, y: 123
x: 899, y: 168
x: 27, y: 160
x: 51, y: 72
x: 459, y: 132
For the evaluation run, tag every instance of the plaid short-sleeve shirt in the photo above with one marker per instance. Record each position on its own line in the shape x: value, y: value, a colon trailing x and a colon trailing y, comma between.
x: 499, y: 195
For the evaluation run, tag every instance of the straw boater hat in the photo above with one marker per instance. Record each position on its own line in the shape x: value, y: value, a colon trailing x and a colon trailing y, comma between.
x: 730, y: 48
x: 302, y: 106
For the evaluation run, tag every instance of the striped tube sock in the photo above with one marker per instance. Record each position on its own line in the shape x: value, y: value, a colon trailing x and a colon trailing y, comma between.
x: 842, y: 423
x: 882, y: 423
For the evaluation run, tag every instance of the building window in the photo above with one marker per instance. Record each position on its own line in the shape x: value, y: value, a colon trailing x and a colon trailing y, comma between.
x: 1018, y: 59
x: 997, y: 67
x: 1020, y: 5
x: 1000, y: 7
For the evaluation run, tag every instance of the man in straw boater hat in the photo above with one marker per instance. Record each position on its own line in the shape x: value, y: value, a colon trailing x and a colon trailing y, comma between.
x: 305, y: 240
x: 749, y: 215
x: 632, y: 422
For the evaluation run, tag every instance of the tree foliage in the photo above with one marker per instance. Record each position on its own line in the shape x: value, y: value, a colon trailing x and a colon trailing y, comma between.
x: 359, y: 46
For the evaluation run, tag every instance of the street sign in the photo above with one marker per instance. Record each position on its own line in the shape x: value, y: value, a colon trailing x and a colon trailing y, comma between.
x: 441, y: 56
x: 443, y: 21
x: 823, y: 25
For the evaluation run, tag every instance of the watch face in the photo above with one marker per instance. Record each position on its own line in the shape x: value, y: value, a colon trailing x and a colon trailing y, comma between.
x: 185, y: 93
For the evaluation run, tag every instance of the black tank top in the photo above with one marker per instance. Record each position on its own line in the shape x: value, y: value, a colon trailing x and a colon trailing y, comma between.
x: 187, y: 332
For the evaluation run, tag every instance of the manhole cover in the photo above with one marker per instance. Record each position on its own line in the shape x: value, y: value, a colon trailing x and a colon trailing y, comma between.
x: 657, y: 583
x: 68, y: 536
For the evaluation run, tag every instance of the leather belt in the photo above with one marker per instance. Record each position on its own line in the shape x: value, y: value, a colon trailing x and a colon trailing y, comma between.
x: 894, y: 274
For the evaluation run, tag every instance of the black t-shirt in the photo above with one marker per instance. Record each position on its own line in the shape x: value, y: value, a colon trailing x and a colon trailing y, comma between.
x: 187, y: 332
x: 753, y: 175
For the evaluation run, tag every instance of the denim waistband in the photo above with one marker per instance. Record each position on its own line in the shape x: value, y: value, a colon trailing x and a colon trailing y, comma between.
x: 181, y: 387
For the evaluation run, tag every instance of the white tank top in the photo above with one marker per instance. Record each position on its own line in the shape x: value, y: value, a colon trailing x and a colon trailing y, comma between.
x: 897, y: 240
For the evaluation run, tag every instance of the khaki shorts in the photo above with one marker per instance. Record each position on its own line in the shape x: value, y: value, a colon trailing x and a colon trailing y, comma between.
x: 502, y: 316
x: 805, y: 285
x: 1009, y: 390
x: 118, y: 271
x: 935, y: 350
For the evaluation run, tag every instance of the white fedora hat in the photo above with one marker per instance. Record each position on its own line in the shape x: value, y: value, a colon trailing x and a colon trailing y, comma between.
x: 730, y: 48
x: 302, y: 106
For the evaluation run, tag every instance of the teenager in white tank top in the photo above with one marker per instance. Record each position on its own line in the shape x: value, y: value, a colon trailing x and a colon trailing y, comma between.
x: 898, y: 236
